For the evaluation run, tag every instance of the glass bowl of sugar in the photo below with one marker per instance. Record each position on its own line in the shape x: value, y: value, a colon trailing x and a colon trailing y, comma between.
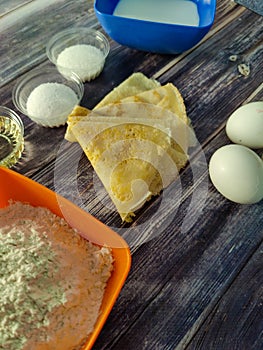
x: 11, y: 137
x: 80, y: 50
x: 47, y: 97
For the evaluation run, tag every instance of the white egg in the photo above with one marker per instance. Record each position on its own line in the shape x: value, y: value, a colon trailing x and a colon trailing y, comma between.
x: 237, y: 173
x: 245, y: 125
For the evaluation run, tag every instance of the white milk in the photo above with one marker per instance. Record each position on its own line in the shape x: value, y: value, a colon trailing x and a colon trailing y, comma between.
x: 183, y: 12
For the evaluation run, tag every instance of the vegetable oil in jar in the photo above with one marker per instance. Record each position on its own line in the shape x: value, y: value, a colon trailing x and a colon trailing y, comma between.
x: 11, y: 137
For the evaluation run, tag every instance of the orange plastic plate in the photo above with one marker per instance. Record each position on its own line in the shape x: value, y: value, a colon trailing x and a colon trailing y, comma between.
x: 16, y: 187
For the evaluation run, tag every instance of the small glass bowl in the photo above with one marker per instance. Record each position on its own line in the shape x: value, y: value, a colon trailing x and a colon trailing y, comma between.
x: 87, y: 64
x: 46, y: 104
x: 11, y: 137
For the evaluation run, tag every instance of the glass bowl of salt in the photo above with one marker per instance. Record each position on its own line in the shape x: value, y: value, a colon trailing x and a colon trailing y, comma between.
x: 47, y: 97
x: 80, y: 50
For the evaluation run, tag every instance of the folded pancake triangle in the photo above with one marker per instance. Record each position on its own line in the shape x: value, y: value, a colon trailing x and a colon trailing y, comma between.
x: 137, y: 144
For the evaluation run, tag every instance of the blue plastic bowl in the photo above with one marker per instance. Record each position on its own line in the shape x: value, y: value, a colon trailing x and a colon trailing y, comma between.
x: 154, y: 36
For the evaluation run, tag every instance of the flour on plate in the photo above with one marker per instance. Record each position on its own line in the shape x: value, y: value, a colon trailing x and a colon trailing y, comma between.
x: 52, y: 280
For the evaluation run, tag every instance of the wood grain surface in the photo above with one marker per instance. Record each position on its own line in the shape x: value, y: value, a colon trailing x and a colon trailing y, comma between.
x: 196, y: 277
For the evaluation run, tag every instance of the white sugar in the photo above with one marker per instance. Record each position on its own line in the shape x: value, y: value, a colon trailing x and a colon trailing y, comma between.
x: 50, y: 103
x: 84, y: 60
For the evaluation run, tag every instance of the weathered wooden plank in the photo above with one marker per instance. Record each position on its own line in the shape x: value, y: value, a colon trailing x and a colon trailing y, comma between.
x: 178, y: 277
x: 227, y: 239
x: 11, y: 5
x: 204, y: 99
x: 236, y: 321
x: 26, y: 31
x: 38, y: 153
x: 36, y: 22
x: 225, y: 14
x: 210, y: 83
x: 205, y: 94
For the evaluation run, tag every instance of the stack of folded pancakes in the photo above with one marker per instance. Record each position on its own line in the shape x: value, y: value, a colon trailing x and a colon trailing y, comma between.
x: 136, y: 138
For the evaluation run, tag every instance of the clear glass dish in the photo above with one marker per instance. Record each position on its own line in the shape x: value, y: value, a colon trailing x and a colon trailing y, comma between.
x: 51, y: 110
x: 86, y: 48
x: 11, y: 137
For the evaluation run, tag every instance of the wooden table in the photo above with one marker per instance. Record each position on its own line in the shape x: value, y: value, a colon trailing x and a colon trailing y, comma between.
x: 196, y: 276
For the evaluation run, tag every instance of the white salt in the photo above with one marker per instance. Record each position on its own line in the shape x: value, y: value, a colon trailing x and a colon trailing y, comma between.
x: 84, y: 60
x: 50, y: 103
